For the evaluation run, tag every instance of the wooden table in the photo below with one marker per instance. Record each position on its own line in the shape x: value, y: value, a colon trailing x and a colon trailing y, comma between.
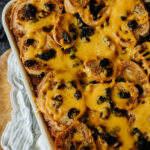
x: 5, y: 104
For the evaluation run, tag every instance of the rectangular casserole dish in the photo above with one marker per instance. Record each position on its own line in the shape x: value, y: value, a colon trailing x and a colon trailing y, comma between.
x: 25, y: 78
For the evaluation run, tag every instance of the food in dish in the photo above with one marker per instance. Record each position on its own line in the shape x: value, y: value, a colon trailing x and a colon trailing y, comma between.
x: 88, y: 61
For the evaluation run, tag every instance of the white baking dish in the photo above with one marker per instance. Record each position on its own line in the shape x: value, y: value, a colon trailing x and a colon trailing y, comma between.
x: 44, y: 130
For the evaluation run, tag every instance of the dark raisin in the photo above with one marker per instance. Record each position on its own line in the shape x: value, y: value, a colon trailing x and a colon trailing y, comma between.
x: 81, y: 24
x: 108, y: 92
x: 104, y: 62
x: 111, y: 140
x: 47, y: 55
x: 68, y: 50
x: 30, y: 63
x: 147, y: 59
x: 101, y: 99
x: 50, y: 6
x: 85, y: 148
x: 123, y: 18
x: 95, y: 133
x: 41, y: 75
x: 109, y: 81
x: 140, y: 89
x: 29, y: 42
x: 73, y: 56
x: 73, y: 83
x: 109, y: 72
x: 95, y: 9
x: 30, y: 12
x: 143, y: 143
x: 72, y: 146
x: 124, y: 94
x: 72, y: 29
x: 86, y: 31
x: 47, y: 29
x: 119, y: 112
x: 58, y: 98
x: 135, y: 131
x: 73, y: 112
x: 78, y: 94
x: 146, y: 54
x: 94, y: 82
x: 57, y: 101
x: 120, y: 80
x: 61, y: 86
x: 66, y: 37
x: 132, y: 24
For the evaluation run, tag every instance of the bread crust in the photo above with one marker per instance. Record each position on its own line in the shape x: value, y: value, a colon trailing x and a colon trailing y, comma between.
x: 67, y: 138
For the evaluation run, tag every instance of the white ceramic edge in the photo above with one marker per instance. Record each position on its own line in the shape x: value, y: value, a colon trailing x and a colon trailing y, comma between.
x: 49, y: 141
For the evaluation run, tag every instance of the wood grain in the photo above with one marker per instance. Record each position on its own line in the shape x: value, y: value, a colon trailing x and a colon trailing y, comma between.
x: 5, y: 104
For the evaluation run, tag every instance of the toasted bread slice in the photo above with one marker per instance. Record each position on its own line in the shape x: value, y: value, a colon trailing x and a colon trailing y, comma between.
x: 17, y: 14
x: 95, y: 13
x: 65, y: 31
x: 125, y: 95
x: 141, y: 54
x: 96, y: 70
x: 133, y: 72
x: 53, y: 98
x: 77, y: 136
x: 73, y: 6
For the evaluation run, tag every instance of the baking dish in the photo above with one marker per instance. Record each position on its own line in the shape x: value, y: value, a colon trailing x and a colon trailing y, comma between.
x: 25, y: 78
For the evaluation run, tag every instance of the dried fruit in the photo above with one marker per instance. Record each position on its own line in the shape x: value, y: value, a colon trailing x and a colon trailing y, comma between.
x: 47, y: 55
x: 73, y: 112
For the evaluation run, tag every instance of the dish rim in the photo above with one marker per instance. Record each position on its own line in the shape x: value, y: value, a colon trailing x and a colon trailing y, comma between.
x: 28, y: 87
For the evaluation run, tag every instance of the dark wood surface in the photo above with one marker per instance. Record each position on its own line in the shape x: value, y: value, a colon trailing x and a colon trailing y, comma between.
x: 4, y: 45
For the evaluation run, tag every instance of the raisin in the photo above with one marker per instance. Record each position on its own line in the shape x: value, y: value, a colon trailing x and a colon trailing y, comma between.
x: 143, y: 143
x: 120, y: 80
x: 101, y: 99
x: 78, y: 94
x: 47, y: 29
x: 58, y: 98
x: 95, y: 9
x: 123, y: 18
x: 50, y: 6
x: 29, y: 42
x: 47, y: 55
x: 132, y: 24
x: 104, y: 62
x: 85, y: 148
x: 61, y: 86
x: 135, y: 131
x: 73, y: 112
x: 81, y: 24
x: 119, y: 112
x: 124, y: 94
x: 66, y: 38
x: 111, y: 140
x: 72, y: 29
x: 86, y: 31
x: 109, y: 72
x: 94, y: 82
x: 41, y: 75
x: 72, y: 146
x: 140, y: 89
x: 57, y: 101
x: 30, y: 63
x: 30, y: 12
x: 73, y: 83
x: 73, y: 56
x: 95, y: 133
x: 108, y: 92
